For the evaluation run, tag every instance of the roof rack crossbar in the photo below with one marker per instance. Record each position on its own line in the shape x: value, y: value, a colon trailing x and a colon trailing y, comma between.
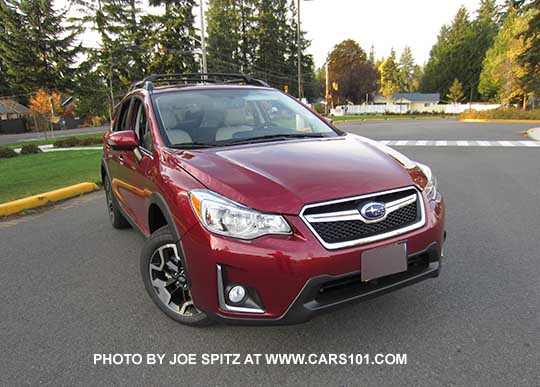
x: 147, y: 82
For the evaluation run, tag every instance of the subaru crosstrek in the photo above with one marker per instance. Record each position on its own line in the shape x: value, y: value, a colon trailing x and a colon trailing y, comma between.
x: 258, y: 210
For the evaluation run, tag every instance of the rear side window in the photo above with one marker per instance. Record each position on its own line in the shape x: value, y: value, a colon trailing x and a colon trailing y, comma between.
x: 122, y: 120
x: 141, y: 126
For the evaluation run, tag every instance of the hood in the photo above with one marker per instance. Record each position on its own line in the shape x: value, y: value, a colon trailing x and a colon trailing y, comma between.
x: 282, y: 177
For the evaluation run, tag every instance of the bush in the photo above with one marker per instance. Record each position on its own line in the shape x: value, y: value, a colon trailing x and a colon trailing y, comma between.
x: 69, y: 142
x: 319, y: 107
x: 502, y: 114
x: 29, y: 149
x: 7, y: 153
x: 91, y: 141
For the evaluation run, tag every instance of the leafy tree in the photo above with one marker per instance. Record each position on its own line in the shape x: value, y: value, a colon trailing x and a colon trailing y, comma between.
x: 389, y: 76
x: 43, y: 103
x: 529, y: 58
x: 500, y: 77
x: 350, y: 70
x: 37, y: 51
x: 455, y: 94
x: 407, y: 71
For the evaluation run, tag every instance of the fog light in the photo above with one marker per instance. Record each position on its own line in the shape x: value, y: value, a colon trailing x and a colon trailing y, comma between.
x: 237, y: 294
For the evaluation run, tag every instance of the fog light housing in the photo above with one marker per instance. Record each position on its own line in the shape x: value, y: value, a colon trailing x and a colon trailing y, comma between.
x: 237, y: 294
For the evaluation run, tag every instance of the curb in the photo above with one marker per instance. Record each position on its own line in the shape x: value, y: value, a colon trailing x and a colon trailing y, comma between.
x: 50, y: 148
x: 39, y: 200
x: 534, y: 134
x: 391, y: 119
x: 501, y: 121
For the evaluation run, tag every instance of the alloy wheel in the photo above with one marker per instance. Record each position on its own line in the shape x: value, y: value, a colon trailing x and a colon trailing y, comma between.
x: 169, y: 281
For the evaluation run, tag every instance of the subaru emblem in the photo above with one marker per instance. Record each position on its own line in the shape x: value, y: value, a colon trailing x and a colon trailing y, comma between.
x: 373, y: 211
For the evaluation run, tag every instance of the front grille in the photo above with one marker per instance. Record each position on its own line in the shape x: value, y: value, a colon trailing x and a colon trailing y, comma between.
x: 337, y: 232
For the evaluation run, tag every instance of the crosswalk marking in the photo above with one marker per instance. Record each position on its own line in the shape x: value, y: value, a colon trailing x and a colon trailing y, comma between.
x: 506, y: 143
x: 463, y: 143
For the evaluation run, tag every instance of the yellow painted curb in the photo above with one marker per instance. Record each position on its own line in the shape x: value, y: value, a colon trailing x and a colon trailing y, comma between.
x: 19, y: 205
x: 501, y: 121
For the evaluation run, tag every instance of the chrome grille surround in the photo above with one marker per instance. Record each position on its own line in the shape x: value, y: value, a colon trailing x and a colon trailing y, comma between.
x: 354, y: 215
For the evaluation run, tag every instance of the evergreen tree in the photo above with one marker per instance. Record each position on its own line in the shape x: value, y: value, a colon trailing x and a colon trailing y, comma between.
x: 371, y: 58
x: 224, y: 35
x: 36, y: 49
x: 309, y: 83
x: 407, y: 71
x: 389, y: 76
x: 172, y: 37
x: 271, y: 33
x: 459, y: 51
x: 484, y: 30
x: 120, y: 60
x: 455, y: 93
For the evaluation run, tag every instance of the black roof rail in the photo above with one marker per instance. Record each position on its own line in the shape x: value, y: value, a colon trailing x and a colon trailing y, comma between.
x: 223, y: 78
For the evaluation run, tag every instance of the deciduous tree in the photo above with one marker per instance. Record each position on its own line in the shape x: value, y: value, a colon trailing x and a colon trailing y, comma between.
x: 350, y: 70
x: 501, y: 73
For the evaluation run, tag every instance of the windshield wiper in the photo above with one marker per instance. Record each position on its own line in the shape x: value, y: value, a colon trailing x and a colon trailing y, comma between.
x: 282, y: 136
x: 193, y: 145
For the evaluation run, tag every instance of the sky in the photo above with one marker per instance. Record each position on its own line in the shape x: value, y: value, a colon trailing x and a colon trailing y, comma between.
x: 386, y: 24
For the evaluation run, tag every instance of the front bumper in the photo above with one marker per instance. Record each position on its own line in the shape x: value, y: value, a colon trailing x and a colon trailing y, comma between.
x: 326, y: 293
x: 295, y: 277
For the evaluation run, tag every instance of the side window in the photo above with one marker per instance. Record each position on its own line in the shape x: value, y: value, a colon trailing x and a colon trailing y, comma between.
x: 122, y: 117
x: 141, y: 126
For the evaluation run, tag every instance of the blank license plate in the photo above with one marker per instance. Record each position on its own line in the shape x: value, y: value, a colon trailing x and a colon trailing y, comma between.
x: 383, y: 261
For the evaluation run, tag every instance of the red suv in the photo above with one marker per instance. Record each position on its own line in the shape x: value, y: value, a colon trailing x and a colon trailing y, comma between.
x: 257, y: 209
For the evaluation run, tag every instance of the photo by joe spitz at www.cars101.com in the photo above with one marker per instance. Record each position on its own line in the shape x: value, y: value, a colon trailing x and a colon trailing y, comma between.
x: 256, y: 209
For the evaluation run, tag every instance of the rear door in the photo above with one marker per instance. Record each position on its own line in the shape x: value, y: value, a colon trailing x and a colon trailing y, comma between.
x: 136, y: 168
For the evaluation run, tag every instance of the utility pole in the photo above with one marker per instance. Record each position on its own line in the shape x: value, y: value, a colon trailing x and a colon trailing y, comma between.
x: 327, y: 83
x: 298, y: 33
x: 203, y: 41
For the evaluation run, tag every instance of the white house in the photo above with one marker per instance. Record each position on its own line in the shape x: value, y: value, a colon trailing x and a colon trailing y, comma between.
x: 410, y: 101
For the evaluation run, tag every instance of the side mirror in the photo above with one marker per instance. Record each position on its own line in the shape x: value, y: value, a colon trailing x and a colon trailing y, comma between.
x: 125, y: 140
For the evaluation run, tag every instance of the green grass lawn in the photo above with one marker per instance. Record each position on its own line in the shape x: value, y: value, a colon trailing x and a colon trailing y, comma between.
x: 361, y: 117
x: 50, y: 140
x: 36, y: 173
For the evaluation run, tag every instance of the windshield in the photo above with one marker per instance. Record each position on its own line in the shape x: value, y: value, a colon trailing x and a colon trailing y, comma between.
x: 217, y: 117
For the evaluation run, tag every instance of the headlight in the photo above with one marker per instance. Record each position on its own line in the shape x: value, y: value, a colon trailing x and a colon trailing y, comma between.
x: 226, y: 217
x: 431, y: 187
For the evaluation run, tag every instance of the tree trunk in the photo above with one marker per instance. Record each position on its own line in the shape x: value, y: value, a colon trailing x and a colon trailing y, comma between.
x: 525, y: 101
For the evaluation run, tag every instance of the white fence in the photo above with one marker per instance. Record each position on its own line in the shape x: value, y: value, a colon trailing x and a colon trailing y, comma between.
x: 403, y: 109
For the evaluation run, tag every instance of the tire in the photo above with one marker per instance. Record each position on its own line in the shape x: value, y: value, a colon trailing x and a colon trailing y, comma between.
x: 171, y: 294
x: 118, y: 220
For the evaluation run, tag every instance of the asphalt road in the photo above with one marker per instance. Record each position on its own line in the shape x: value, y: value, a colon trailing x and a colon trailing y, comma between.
x: 13, y: 138
x: 70, y: 288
